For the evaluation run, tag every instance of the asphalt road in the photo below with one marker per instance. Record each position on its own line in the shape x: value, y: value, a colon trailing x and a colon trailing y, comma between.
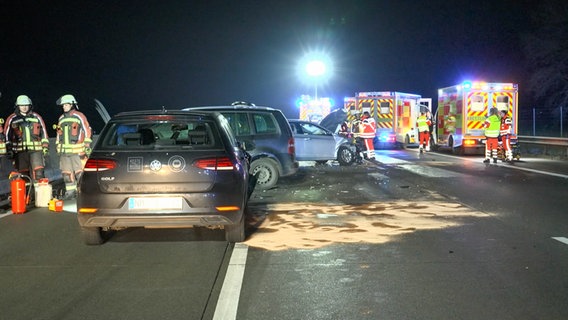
x: 406, y: 237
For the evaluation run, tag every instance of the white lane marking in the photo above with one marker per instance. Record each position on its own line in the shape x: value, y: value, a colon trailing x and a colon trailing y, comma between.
x: 561, y: 239
x: 228, y: 303
x: 510, y: 166
x: 390, y: 160
x: 5, y: 214
x: 430, y: 171
x: 426, y: 171
x: 70, y: 205
x: 538, y: 171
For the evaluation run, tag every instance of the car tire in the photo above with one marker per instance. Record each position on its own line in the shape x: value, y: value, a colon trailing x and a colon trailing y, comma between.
x: 345, y: 156
x: 266, y: 173
x: 236, y: 232
x: 404, y: 145
x: 92, y: 236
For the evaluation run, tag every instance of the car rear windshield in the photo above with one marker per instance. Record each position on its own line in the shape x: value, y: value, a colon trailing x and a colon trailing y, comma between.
x: 173, y: 133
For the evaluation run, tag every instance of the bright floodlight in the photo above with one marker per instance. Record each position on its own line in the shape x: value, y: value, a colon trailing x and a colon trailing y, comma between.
x: 315, y: 68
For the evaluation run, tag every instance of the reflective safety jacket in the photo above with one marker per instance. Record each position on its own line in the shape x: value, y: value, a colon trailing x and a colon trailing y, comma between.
x: 368, y: 128
x: 492, y: 126
x: 423, y: 124
x: 26, y: 132
x: 2, y: 138
x: 506, y: 125
x: 73, y: 133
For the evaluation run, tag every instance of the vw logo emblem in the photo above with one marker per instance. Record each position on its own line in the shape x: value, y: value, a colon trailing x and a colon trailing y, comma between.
x: 176, y: 163
x: 155, y: 165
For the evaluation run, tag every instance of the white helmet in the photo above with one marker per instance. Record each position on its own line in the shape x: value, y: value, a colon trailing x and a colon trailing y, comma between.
x: 23, y: 100
x: 68, y: 98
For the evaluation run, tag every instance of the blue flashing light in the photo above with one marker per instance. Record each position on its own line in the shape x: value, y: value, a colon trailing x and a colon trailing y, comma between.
x: 303, y: 100
x: 386, y: 137
x: 466, y: 85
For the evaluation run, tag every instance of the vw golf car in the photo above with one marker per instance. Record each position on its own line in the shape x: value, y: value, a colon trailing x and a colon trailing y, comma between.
x: 164, y: 169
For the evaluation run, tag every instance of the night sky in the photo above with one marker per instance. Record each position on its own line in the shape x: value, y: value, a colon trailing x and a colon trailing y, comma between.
x: 148, y: 54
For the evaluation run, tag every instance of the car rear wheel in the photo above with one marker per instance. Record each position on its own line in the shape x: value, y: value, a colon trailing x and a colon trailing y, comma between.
x: 92, y: 236
x: 265, y: 172
x: 345, y: 156
x: 404, y: 145
x: 455, y: 150
x: 236, y: 232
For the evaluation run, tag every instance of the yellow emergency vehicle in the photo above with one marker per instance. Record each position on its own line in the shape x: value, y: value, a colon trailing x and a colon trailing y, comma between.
x: 463, y: 108
x: 313, y: 110
x: 395, y: 114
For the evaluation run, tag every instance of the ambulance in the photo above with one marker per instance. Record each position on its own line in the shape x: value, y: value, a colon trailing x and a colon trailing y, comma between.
x: 313, y: 110
x: 462, y: 110
x: 395, y: 114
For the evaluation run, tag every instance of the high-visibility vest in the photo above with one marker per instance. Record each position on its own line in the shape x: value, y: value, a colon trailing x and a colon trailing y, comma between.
x: 26, y: 133
x: 2, y: 144
x: 2, y: 138
x: 73, y: 133
x: 423, y: 124
x: 492, y: 126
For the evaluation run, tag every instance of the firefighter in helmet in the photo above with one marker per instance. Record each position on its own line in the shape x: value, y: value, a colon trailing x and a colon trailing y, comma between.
x: 73, y: 142
x: 505, y: 132
x: 492, y: 126
x: 26, y: 137
x: 367, y: 131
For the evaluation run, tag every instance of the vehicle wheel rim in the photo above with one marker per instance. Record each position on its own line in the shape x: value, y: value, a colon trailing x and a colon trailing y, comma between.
x: 262, y: 175
x: 346, y: 155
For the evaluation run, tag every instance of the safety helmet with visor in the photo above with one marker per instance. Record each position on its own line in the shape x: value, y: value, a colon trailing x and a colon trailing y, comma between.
x: 23, y: 100
x: 68, y: 98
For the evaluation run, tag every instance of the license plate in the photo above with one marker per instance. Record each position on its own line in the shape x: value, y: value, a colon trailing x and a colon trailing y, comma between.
x: 155, y: 203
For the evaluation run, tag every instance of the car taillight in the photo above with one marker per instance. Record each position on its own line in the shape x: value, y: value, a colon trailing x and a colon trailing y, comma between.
x: 218, y: 163
x: 291, y: 146
x: 99, y: 165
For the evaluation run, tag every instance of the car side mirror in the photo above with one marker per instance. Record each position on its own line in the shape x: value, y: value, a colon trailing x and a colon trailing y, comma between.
x: 242, y: 145
x: 247, y: 144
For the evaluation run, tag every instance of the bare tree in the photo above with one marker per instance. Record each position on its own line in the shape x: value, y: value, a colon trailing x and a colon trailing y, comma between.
x: 547, y: 52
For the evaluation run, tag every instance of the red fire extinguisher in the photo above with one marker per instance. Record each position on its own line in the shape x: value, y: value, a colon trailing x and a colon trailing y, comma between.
x: 19, y: 197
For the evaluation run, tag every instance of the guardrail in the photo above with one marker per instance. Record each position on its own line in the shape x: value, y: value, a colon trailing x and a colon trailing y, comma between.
x: 549, y: 146
x: 555, y: 141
